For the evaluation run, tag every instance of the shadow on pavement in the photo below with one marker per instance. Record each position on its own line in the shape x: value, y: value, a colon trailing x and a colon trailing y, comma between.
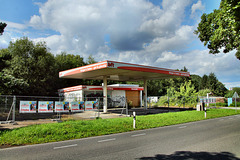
x: 142, y: 111
x: 187, y: 155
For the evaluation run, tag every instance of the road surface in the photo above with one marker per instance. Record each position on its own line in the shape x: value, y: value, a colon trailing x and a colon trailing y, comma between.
x: 213, y: 139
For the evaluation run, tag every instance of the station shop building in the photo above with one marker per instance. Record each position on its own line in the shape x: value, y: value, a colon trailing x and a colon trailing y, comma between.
x: 118, y: 94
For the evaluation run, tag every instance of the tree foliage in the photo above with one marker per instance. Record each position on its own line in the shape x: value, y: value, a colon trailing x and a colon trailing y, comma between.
x: 2, y: 27
x: 221, y: 28
x: 63, y: 62
x: 28, y: 68
x: 31, y: 64
x: 170, y: 87
x: 186, y: 94
x: 231, y: 92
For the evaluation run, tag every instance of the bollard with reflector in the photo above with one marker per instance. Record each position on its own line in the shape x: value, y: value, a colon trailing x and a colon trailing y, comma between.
x: 134, y: 120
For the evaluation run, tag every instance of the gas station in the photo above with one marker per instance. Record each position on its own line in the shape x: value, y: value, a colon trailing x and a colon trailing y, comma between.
x: 120, y: 71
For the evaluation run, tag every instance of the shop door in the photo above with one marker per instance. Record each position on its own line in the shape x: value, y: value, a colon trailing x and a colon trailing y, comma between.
x: 133, y: 98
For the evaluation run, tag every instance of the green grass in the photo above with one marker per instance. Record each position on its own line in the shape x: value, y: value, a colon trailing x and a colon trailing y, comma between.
x: 53, y: 132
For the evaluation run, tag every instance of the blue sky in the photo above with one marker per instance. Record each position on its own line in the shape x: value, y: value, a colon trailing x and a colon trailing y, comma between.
x: 148, y: 32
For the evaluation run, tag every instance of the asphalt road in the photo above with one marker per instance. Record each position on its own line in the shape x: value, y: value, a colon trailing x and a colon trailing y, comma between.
x: 213, y: 139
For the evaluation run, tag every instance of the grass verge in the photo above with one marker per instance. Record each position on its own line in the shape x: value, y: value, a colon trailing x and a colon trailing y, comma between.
x: 87, y: 128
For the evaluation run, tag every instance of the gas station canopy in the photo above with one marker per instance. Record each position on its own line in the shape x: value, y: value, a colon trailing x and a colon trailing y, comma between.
x: 120, y: 71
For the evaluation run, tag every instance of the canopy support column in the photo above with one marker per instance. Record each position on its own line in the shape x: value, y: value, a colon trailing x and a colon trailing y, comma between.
x: 145, y: 94
x: 105, y: 94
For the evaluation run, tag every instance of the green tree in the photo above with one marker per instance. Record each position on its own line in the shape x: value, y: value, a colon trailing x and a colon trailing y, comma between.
x: 196, y: 81
x: 63, y: 62
x: 157, y: 87
x: 221, y: 28
x: 203, y: 92
x: 187, y: 94
x: 204, y: 82
x: 216, y: 87
x: 231, y: 92
x: 32, y: 65
x: 2, y: 26
x: 221, y: 90
x: 212, y: 82
x: 8, y: 83
x: 5, y: 56
x: 90, y: 60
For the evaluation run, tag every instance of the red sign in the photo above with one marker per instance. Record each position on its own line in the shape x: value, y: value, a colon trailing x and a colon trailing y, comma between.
x: 110, y: 64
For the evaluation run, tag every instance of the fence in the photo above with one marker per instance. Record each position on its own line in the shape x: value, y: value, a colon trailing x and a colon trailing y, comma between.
x: 10, y: 107
x: 37, y: 107
x: 173, y: 101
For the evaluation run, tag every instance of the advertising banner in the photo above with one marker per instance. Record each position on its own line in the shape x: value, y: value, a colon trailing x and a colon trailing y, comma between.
x: 77, y: 106
x: 91, y: 105
x: 28, y: 107
x: 229, y: 101
x: 208, y: 100
x: 45, y: 106
x: 61, y: 106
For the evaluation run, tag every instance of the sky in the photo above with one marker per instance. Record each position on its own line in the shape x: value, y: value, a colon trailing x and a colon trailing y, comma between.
x: 148, y: 32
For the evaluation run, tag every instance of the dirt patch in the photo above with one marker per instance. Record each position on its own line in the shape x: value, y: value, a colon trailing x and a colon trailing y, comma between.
x: 33, y: 119
x: 18, y: 124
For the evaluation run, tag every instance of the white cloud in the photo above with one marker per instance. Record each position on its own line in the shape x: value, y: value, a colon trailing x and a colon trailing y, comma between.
x: 130, y: 24
x: 12, y: 25
x: 197, y: 7
x: 169, y: 57
x: 138, y: 32
x: 12, y: 32
x: 4, y: 40
x: 200, y: 62
x: 231, y: 84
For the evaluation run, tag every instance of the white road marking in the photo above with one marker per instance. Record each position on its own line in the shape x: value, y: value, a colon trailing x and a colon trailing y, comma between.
x: 106, y: 140
x: 136, y: 135
x: 182, y: 127
x: 73, y: 145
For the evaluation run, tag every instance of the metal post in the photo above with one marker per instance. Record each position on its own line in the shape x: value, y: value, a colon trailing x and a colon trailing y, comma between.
x: 205, y: 110
x: 183, y: 102
x: 14, y: 108
x: 98, y: 107
x: 126, y: 106
x: 208, y: 99
x: 5, y: 104
x: 105, y: 94
x: 145, y: 94
x: 168, y: 103
x: 235, y: 103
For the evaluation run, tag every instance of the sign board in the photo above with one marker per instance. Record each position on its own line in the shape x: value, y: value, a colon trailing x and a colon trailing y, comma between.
x: 235, y: 95
x: 61, y: 106
x: 77, y: 106
x: 208, y: 100
x: 91, y: 105
x: 45, y: 106
x: 28, y: 107
x: 229, y: 101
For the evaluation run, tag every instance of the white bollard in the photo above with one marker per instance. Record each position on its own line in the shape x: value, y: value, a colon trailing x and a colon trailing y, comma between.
x: 134, y: 120
x: 205, y: 112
